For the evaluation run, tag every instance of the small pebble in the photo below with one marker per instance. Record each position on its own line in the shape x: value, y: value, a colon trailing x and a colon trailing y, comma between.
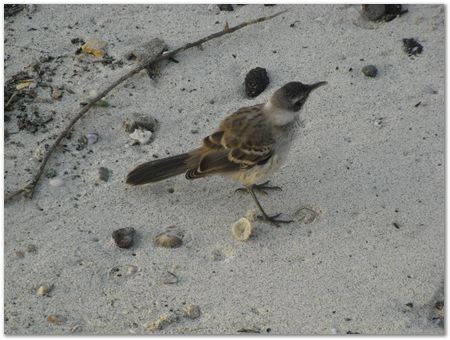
x: 124, y: 237
x: 439, y: 305
x: 56, y: 94
x: 135, y: 121
x: 226, y: 7
x: 242, y: 229
x: 56, y: 182
x: 192, y: 311
x: 168, y: 240
x: 374, y: 12
x: 256, y: 82
x: 43, y: 291
x: 103, y: 174
x: 31, y: 248
x: 54, y: 319
x: 150, y: 49
x: 51, y: 173
x: 131, y: 270
x: 161, y: 322
x: 369, y: 71
x: 91, y: 138
x: 410, y: 305
x: 412, y: 47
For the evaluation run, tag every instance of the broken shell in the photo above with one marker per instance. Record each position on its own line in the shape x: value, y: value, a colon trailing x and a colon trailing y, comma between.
x: 124, y: 237
x: 95, y: 47
x: 40, y: 152
x: 43, y: 291
x: 140, y: 136
x: 168, y: 240
x: 192, y: 311
x: 242, y: 229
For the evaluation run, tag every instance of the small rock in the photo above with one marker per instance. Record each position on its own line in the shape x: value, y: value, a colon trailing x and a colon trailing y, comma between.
x: 161, y: 322
x: 369, y: 71
x: 56, y: 182
x: 147, y: 50
x: 124, y: 237
x: 95, y: 47
x: 40, y: 151
x: 410, y: 305
x: 55, y: 319
x: 140, y: 136
x: 256, y: 82
x: 439, y: 305
x: 192, y: 311
x: 43, y: 291
x: 103, y: 174
x: 374, y: 12
x: 412, y: 47
x: 131, y: 270
x: 56, y: 93
x: 31, y: 248
x: 138, y: 121
x: 51, y: 173
x: 168, y: 239
x: 91, y: 138
x: 226, y: 7
x: 242, y: 229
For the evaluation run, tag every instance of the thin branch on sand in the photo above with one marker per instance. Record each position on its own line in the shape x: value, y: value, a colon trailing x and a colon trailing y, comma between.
x: 29, y: 188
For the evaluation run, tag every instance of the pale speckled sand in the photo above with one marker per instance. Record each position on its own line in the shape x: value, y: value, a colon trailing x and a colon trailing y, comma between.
x: 366, y: 158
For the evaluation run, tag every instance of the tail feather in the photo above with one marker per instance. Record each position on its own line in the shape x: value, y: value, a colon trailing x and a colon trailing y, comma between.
x: 158, y: 170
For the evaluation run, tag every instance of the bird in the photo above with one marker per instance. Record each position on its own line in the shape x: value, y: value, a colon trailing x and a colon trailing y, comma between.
x: 249, y: 146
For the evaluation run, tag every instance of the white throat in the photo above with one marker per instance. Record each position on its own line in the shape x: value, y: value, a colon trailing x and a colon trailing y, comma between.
x: 279, y: 116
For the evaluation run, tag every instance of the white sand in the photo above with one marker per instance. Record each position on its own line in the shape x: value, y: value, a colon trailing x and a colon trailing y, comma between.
x: 348, y: 270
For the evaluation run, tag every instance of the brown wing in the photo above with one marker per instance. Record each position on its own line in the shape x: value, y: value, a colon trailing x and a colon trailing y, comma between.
x: 243, y: 140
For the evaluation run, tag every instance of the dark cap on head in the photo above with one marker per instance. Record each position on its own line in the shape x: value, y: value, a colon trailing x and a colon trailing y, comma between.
x: 293, y: 95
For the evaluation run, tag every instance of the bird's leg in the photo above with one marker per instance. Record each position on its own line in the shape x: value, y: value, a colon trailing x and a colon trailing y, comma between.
x: 272, y: 219
x: 260, y: 187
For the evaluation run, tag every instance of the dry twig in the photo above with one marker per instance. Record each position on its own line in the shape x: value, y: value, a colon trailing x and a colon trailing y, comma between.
x: 28, y: 189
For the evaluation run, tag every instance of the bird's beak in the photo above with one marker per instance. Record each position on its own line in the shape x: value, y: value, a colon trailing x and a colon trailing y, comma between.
x: 316, y: 85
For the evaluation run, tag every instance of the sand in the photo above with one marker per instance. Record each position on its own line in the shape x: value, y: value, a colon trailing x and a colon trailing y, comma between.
x: 369, y: 162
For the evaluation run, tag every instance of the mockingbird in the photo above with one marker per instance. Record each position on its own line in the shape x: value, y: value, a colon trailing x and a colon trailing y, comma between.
x: 249, y: 146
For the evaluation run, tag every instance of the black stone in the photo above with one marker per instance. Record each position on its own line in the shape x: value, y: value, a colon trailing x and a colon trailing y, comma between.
x: 412, y: 47
x: 369, y: 71
x: 256, y: 82
x: 124, y: 237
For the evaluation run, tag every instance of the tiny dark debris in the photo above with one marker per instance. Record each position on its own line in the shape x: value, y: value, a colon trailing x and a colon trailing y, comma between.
x: 256, y: 82
x: 417, y: 104
x: 248, y: 330
x: 350, y: 332
x: 395, y: 224
x: 410, y: 305
x: 412, y: 46
x: 439, y: 305
x: 392, y: 11
x: 226, y: 7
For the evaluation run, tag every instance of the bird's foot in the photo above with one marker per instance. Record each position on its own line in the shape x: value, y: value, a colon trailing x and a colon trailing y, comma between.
x: 260, y: 188
x: 274, y: 220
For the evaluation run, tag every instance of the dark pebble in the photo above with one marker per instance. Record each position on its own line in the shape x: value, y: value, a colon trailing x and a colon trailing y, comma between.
x: 103, y: 174
x: 439, y: 305
x: 369, y: 71
x: 412, y: 47
x: 374, y: 12
x: 392, y: 11
x: 124, y: 237
x: 410, y: 305
x: 256, y: 82
x: 226, y: 7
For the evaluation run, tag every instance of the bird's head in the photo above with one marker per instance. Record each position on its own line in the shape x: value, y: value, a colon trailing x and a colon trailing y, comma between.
x: 293, y: 95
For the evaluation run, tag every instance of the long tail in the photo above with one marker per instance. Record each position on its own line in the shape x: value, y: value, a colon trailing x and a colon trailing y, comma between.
x: 158, y: 170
